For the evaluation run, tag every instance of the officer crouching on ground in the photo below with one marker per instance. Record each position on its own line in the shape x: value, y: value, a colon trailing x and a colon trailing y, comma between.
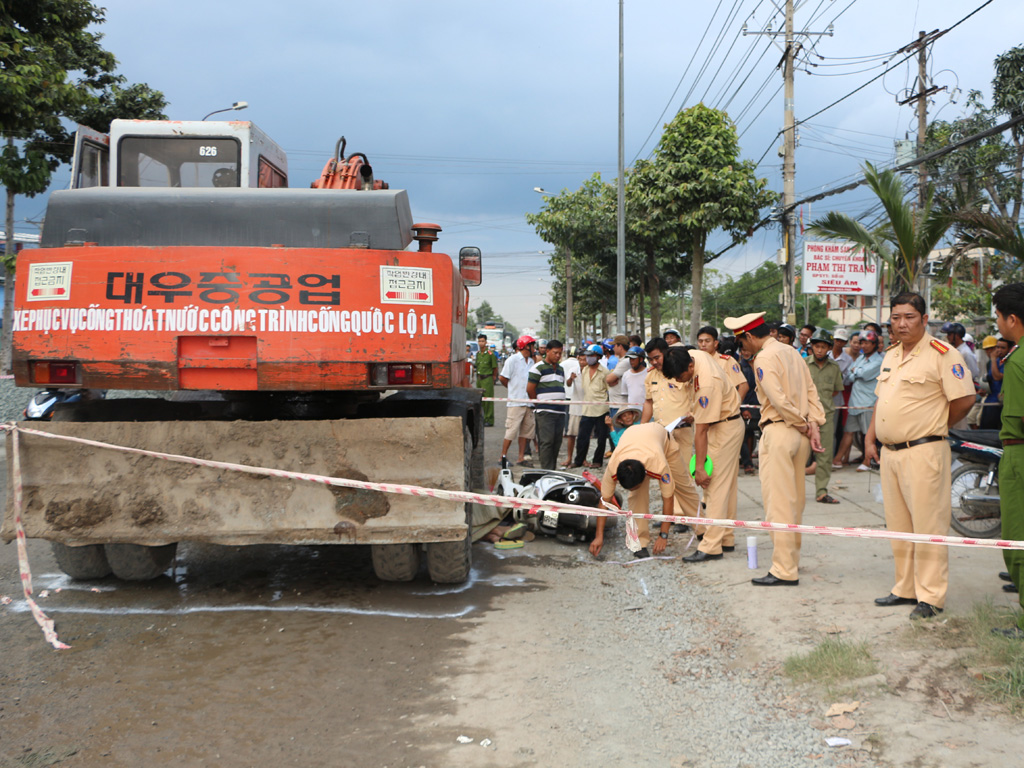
x: 645, y: 452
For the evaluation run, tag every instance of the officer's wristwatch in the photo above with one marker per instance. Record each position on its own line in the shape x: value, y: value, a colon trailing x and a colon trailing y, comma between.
x: 662, y: 535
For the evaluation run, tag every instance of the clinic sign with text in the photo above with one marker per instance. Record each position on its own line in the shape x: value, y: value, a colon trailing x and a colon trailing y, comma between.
x: 838, y: 267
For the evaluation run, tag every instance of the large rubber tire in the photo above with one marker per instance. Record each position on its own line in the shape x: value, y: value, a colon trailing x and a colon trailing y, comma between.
x: 450, y: 562
x: 971, y: 477
x: 88, y: 562
x: 135, y: 562
x: 395, y: 562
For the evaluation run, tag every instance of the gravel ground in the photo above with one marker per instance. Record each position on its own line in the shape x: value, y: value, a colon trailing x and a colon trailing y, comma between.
x: 642, y: 666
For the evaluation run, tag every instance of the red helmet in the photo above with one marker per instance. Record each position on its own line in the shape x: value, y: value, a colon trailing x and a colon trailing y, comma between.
x: 524, y: 341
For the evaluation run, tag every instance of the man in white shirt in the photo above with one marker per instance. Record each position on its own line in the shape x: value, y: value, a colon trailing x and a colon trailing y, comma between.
x: 519, y: 419
x: 616, y: 392
x: 573, y: 366
x: 633, y: 379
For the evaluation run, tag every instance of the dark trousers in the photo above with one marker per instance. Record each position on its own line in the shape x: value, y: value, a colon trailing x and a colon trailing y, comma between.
x: 591, y: 425
x: 550, y: 426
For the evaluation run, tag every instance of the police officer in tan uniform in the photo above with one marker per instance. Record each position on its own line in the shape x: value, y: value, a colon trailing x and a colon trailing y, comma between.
x: 707, y: 341
x: 645, y: 452
x: 791, y: 415
x: 923, y: 387
x: 718, y: 433
x: 665, y: 401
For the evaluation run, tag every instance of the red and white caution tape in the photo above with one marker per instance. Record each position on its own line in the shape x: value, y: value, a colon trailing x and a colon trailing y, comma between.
x: 44, y: 621
x: 637, y: 405
x: 532, y: 506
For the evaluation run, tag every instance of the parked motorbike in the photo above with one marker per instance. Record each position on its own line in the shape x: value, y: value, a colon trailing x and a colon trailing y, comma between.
x: 975, y: 482
x: 44, y: 403
x: 551, y: 485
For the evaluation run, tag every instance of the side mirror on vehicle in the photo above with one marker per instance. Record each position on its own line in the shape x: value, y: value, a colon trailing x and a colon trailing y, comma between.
x: 471, y: 265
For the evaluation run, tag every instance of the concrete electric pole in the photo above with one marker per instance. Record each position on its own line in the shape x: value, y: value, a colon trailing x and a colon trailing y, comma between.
x: 789, y: 218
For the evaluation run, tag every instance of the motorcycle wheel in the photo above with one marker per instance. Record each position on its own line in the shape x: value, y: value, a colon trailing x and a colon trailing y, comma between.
x: 971, y: 477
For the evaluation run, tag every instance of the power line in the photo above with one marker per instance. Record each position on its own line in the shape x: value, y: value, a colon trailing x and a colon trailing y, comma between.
x: 679, y: 85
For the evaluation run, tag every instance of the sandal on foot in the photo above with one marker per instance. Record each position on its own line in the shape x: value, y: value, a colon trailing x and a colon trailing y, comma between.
x: 504, y: 544
x: 517, y: 531
x: 826, y: 499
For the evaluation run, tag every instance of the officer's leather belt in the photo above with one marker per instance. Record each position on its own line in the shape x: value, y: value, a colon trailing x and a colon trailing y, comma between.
x: 773, y: 421
x: 1012, y: 442
x: 730, y: 418
x: 912, y: 443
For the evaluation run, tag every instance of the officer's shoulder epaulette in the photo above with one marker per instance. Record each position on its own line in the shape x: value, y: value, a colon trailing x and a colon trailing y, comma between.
x: 725, y: 357
x: 942, y: 348
x: 892, y: 346
x: 1009, y: 353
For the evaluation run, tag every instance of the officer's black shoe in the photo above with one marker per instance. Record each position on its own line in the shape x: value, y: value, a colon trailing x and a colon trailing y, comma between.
x: 700, y: 557
x: 771, y: 580
x: 1005, y: 576
x: 728, y: 549
x: 1010, y: 588
x: 924, y: 611
x: 640, y: 554
x: 891, y: 600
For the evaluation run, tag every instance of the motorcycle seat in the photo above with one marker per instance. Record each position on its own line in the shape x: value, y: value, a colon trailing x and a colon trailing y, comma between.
x: 989, y: 437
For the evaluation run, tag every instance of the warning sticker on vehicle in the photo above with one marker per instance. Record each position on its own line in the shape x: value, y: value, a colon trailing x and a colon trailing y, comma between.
x: 406, y: 285
x: 49, y: 282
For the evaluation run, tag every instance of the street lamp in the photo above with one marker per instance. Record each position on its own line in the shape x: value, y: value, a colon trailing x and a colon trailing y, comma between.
x: 237, y: 105
x: 568, y: 281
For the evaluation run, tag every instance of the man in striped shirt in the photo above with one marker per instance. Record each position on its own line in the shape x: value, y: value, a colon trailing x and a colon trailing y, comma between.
x: 546, y: 385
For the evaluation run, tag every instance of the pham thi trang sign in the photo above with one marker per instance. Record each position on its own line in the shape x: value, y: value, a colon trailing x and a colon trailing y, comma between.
x: 837, y: 268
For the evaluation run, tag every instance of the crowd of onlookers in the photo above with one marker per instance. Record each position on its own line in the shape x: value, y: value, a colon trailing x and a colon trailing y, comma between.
x: 605, y: 378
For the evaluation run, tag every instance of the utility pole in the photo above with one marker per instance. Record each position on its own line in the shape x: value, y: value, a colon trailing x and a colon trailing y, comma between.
x: 789, y: 171
x: 568, y: 297
x: 921, y: 97
x: 789, y: 53
x: 620, y: 249
x: 922, y: 116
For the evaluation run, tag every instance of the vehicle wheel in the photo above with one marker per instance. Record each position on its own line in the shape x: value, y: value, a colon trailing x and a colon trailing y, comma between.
x: 449, y: 562
x: 395, y: 562
x: 88, y: 562
x: 971, y: 477
x: 135, y: 562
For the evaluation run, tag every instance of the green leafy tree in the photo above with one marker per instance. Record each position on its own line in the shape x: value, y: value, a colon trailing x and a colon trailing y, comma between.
x: 52, y: 69
x: 758, y: 291
x: 982, y: 181
x: 663, y: 268
x: 696, y: 185
x: 903, y: 237
x: 581, y: 225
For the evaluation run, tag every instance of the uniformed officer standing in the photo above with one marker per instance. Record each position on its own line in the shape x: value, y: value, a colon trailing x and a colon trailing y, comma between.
x: 486, y: 376
x: 645, y: 452
x: 664, y: 402
x: 718, y: 433
x: 1009, y: 304
x: 922, y: 388
x: 791, y: 416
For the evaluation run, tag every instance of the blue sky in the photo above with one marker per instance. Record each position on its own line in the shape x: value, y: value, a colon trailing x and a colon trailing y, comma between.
x: 470, y: 105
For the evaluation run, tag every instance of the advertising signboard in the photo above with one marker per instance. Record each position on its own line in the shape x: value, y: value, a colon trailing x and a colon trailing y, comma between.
x: 835, y: 267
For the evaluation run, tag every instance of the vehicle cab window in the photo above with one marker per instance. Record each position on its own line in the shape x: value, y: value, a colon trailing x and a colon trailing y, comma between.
x: 178, y: 161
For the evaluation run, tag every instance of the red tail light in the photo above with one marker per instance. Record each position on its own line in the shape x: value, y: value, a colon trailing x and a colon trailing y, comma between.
x: 54, y: 373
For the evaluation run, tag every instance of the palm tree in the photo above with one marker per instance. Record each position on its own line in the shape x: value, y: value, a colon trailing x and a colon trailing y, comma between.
x: 982, y: 229
x: 903, y: 237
